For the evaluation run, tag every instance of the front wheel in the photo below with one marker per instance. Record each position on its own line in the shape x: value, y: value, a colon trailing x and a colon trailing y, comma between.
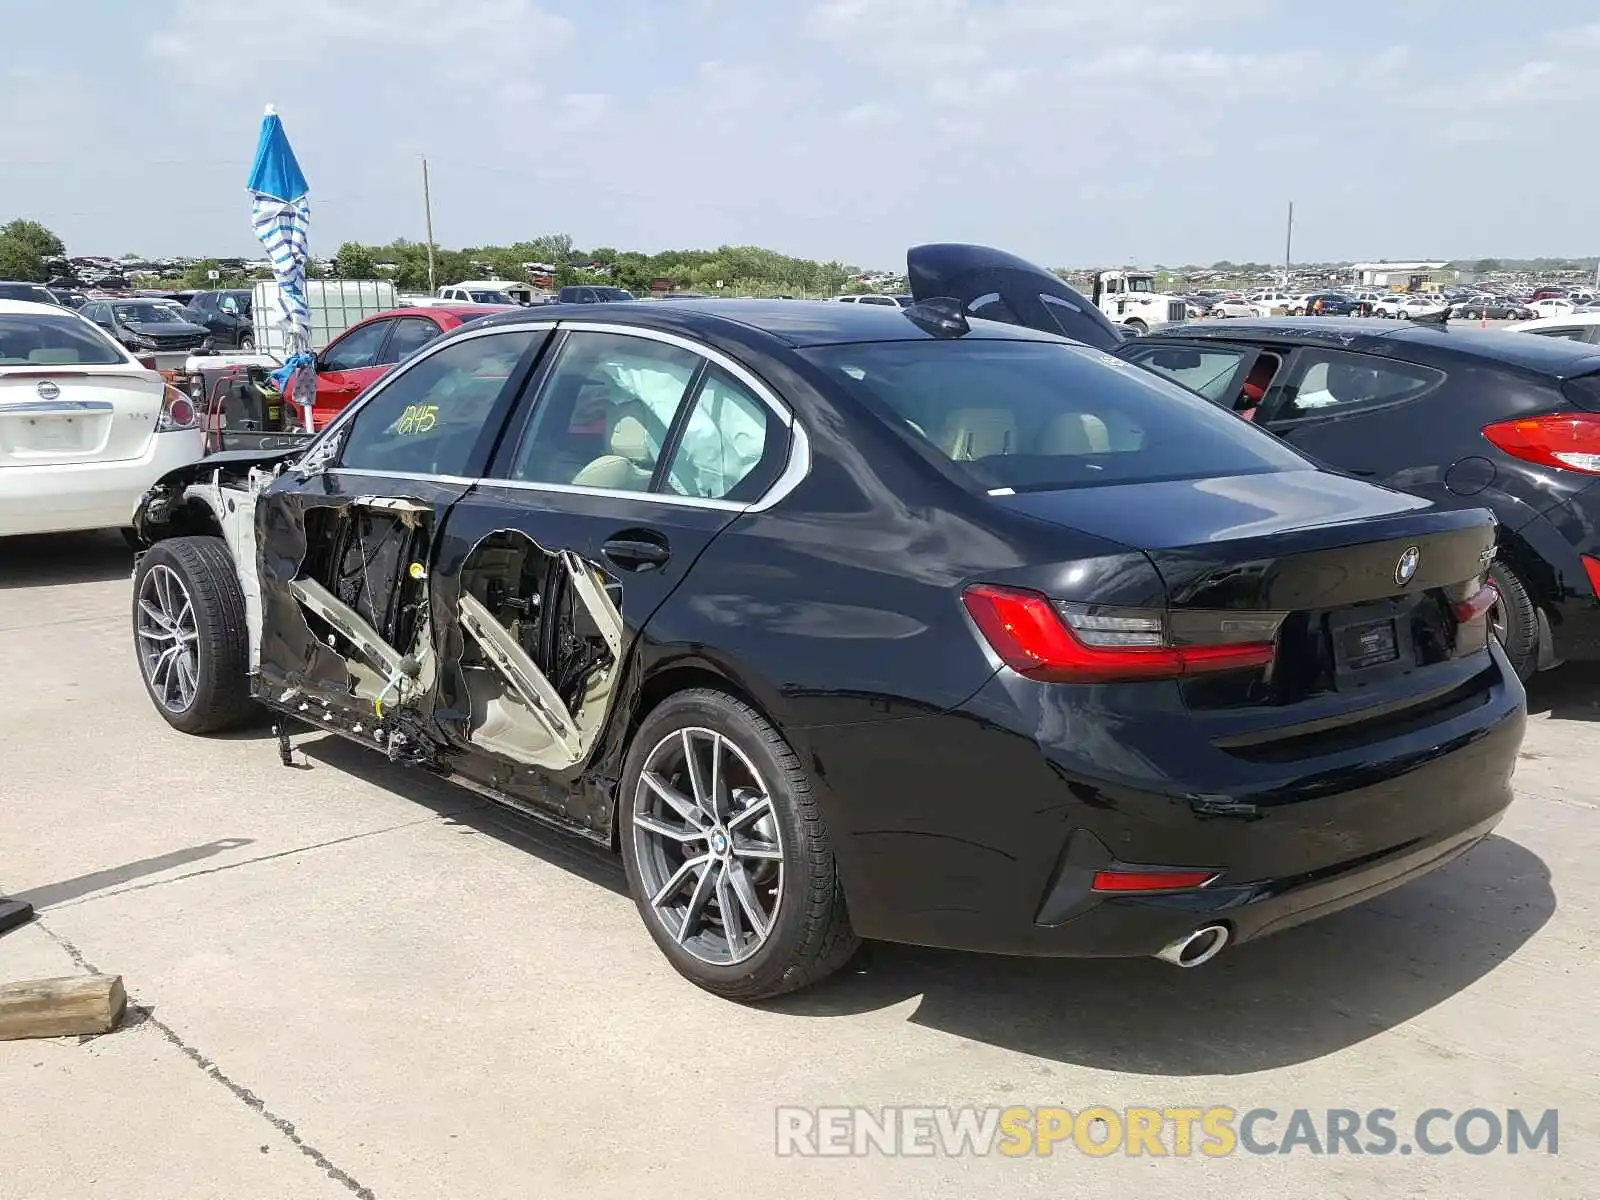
x: 726, y: 853
x: 247, y: 344
x: 190, y: 636
x: 1139, y: 327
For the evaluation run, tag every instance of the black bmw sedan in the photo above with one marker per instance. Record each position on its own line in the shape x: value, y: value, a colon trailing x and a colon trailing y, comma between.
x: 842, y: 621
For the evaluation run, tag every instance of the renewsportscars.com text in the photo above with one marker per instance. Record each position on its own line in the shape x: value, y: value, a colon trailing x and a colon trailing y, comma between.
x: 1215, y: 1132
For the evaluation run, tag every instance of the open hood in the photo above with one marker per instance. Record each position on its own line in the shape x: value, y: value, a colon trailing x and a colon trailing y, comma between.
x: 997, y: 286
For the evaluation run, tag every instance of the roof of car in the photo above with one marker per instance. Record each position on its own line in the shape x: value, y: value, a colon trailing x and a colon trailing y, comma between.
x: 32, y: 308
x: 1549, y: 356
x: 459, y: 312
x: 1565, y: 321
x: 799, y: 323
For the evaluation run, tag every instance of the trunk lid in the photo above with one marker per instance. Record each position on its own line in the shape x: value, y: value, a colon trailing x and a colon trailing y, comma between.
x: 1365, y: 581
x: 76, y: 414
x: 997, y: 286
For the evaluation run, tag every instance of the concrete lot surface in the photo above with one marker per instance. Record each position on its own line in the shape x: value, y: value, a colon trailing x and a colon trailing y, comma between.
x: 349, y: 980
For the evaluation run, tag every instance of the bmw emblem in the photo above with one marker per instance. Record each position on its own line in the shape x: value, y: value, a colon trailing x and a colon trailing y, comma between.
x: 47, y: 390
x: 1406, y: 569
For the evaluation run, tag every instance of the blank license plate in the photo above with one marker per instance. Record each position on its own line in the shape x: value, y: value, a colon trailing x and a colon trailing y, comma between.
x: 1368, y: 645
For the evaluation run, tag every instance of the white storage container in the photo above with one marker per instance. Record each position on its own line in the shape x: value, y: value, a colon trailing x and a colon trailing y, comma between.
x: 336, y: 304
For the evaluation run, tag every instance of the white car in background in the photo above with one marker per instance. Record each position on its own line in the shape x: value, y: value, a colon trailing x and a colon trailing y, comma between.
x: 1270, y: 303
x: 85, y: 429
x: 1235, y: 306
x: 1554, y: 306
x: 1581, y: 326
x: 1411, y: 307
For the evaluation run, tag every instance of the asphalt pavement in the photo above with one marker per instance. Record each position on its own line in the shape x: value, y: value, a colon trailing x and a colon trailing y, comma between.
x: 348, y: 979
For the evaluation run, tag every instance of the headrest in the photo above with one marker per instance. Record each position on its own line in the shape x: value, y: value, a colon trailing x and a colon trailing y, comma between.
x: 972, y: 433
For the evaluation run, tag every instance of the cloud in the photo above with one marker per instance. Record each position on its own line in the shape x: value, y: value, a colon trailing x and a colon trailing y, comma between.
x: 479, y: 40
x: 581, y: 109
x: 868, y: 115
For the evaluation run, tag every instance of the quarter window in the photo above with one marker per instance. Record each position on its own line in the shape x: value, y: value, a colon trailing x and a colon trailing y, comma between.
x: 604, y: 414
x: 731, y: 446
x: 1324, y: 380
x: 429, y: 419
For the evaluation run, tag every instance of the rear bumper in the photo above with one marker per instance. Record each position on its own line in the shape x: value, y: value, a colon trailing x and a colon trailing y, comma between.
x: 981, y: 830
x: 58, y: 499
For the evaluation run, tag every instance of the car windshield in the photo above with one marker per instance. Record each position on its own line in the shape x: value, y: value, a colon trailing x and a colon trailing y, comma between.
x: 51, y: 341
x: 1047, y: 415
x: 150, y: 310
x: 1141, y: 284
x: 489, y: 297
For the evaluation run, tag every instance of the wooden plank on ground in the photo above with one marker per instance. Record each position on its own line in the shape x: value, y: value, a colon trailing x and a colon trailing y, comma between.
x: 76, y: 1005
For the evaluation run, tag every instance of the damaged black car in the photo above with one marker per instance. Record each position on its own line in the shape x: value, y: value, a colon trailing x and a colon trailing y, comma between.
x: 841, y: 621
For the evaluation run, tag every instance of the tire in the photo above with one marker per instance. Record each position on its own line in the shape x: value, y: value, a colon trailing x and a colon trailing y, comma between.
x: 1515, y: 620
x: 191, y: 583
x: 247, y: 344
x: 1138, y: 326
x: 1403, y: 315
x: 809, y: 934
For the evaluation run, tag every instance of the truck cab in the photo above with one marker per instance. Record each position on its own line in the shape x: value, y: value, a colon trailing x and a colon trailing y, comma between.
x: 1130, y: 298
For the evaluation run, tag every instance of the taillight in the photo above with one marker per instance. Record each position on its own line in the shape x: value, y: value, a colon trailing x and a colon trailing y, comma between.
x: 1569, y: 441
x: 1055, y: 642
x: 1144, y: 879
x: 1475, y: 605
x: 177, y: 411
x: 148, y: 362
x: 1591, y: 568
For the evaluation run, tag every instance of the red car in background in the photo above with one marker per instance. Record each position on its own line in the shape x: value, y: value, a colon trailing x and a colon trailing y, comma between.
x: 369, y: 349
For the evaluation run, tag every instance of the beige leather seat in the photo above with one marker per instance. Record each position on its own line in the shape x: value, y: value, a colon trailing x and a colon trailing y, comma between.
x: 1074, y: 433
x: 630, y: 459
x: 973, y: 433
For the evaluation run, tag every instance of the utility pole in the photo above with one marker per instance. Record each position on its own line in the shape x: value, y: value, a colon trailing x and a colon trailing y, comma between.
x: 427, y: 209
x: 1288, y: 245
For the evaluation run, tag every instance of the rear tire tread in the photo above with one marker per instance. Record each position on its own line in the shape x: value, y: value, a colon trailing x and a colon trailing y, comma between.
x: 1522, y: 619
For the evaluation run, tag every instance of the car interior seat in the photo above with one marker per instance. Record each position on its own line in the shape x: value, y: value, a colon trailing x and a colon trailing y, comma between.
x: 973, y: 433
x: 629, y: 460
x: 1075, y: 433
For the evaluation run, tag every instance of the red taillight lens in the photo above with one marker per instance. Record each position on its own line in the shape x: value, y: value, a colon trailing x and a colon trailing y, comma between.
x: 177, y: 411
x: 1134, y: 880
x: 1032, y: 637
x: 1569, y: 441
x: 1591, y: 567
x: 1475, y: 606
x: 148, y: 362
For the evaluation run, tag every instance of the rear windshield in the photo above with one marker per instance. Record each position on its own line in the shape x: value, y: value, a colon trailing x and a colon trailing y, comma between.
x: 1044, y: 415
x: 51, y: 341
x: 26, y: 291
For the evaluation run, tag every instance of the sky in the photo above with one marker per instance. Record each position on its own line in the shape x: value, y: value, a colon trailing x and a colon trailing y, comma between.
x: 1072, y: 132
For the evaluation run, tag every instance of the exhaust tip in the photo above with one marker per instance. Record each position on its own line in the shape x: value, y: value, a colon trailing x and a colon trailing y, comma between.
x: 1197, y: 948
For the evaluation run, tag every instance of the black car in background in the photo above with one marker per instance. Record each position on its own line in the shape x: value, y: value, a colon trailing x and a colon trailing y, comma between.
x: 587, y: 294
x: 1494, y: 308
x: 145, y: 325
x: 1325, y: 304
x: 227, y: 315
x: 35, y: 293
x: 851, y: 621
x: 1463, y: 418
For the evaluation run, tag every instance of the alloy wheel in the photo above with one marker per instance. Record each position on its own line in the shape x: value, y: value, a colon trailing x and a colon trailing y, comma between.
x: 708, y: 846
x: 169, y: 649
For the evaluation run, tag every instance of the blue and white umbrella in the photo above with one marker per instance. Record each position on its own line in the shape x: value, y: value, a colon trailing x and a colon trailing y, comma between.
x: 281, y: 217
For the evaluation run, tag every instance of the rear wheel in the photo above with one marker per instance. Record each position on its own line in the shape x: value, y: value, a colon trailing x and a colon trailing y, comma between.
x: 726, y: 852
x: 1515, y: 620
x: 190, y: 636
x: 247, y: 344
x: 1138, y: 326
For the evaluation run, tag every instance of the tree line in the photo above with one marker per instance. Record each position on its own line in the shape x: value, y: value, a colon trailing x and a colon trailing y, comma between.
x: 736, y: 269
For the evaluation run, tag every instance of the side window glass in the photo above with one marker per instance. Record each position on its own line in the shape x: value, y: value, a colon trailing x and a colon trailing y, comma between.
x: 429, y: 419
x: 604, y: 412
x: 732, y: 445
x: 1329, y: 379
x: 1204, y: 370
x: 1569, y: 333
x: 410, y: 334
x: 355, y: 350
